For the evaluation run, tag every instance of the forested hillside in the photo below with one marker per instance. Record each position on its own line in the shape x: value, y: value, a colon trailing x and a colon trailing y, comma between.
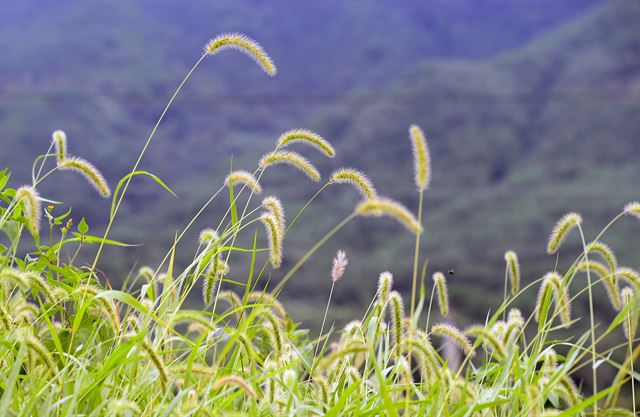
x: 522, y: 128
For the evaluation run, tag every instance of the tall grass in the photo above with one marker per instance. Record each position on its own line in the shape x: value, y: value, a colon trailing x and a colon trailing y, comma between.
x: 72, y: 346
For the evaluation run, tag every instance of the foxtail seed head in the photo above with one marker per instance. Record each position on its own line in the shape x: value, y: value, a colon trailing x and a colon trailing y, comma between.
x: 357, y: 179
x: 633, y: 209
x: 552, y: 281
x: 243, y: 177
x: 31, y: 199
x: 245, y: 45
x: 275, y: 239
x: 208, y: 236
x: 385, y: 282
x: 560, y: 231
x: 270, y: 301
x: 384, y: 206
x: 628, y: 274
x: 489, y: 338
x: 59, y: 139
x: 146, y: 273
x: 293, y: 159
x: 609, y: 279
x: 237, y: 381
x: 338, y: 266
x: 513, y: 271
x: 309, y: 137
x: 397, y: 315
x: 123, y: 407
x: 443, y: 293
x: 274, y: 206
x: 209, y: 284
x: 421, y: 157
x: 453, y: 333
x: 605, y: 252
x: 90, y: 172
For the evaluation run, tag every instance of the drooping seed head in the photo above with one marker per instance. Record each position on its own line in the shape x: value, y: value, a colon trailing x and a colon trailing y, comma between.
x: 275, y: 239
x: 270, y: 301
x: 245, y: 178
x: 146, y: 273
x: 123, y: 408
x: 245, y: 45
x: 560, y: 231
x: 31, y: 199
x: 552, y: 281
x: 357, y: 179
x: 628, y: 274
x: 208, y: 236
x: 421, y: 157
x: 384, y: 206
x: 308, y: 137
x: 633, y: 209
x: 605, y: 252
x: 488, y: 337
x: 274, y: 206
x: 513, y: 270
x: 339, y: 265
x: 609, y: 279
x: 442, y: 292
x: 237, y: 381
x: 59, y: 139
x: 515, y: 314
x: 453, y: 333
x: 90, y: 172
x: 293, y: 159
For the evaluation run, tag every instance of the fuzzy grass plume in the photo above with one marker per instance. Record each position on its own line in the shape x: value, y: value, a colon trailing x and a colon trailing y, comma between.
x: 307, y: 136
x: 245, y: 178
x: 338, y: 266
x: 245, y: 45
x: 455, y: 335
x: 633, y: 209
x: 442, y: 293
x: 384, y: 206
x: 90, y: 172
x: 29, y: 196
x: 560, y: 231
x: 59, y: 139
x: 552, y: 284
x: 274, y: 236
x: 357, y: 179
x: 274, y: 206
x: 421, y: 157
x: 513, y: 271
x: 292, y: 159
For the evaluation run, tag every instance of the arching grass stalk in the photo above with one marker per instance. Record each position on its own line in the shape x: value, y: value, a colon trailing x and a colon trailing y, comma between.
x: 311, y: 251
x: 139, y: 160
x: 293, y: 221
x: 630, y: 342
x: 416, y: 258
x: 591, y: 322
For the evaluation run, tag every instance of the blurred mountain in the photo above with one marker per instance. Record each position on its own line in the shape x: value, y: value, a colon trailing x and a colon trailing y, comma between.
x: 531, y: 110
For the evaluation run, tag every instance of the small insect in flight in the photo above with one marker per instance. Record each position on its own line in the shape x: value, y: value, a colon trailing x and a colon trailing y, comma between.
x: 452, y: 271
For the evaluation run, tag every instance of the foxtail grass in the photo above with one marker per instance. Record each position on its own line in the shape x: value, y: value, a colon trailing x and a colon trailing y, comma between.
x: 70, y: 344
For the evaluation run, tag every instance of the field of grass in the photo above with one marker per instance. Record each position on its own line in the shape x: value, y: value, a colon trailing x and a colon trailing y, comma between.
x: 72, y: 345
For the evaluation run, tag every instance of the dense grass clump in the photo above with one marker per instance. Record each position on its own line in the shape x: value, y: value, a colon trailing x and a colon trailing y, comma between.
x: 70, y: 345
